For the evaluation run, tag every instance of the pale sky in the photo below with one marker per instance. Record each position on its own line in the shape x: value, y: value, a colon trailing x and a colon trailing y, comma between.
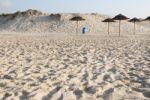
x: 130, y: 8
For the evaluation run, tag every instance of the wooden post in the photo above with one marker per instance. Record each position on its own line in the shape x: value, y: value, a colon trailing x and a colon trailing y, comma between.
x: 119, y: 27
x: 134, y: 28
x: 77, y: 28
x: 108, y: 28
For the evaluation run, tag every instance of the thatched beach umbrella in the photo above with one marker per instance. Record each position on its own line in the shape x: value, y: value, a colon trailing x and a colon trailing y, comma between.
x: 108, y: 20
x: 120, y: 17
x: 77, y: 19
x: 134, y: 20
x: 147, y: 19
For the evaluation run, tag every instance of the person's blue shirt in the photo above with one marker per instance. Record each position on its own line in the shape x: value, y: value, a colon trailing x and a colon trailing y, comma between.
x: 84, y: 30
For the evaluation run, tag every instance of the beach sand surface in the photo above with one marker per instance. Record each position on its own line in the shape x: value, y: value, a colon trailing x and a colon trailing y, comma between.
x: 74, y: 67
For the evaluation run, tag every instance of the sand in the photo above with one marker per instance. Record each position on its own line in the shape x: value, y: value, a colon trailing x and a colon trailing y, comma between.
x: 74, y: 67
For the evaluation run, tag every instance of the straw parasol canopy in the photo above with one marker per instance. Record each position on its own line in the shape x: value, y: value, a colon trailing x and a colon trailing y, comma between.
x: 108, y: 20
x: 147, y: 19
x: 77, y: 19
x: 120, y: 17
x: 134, y: 20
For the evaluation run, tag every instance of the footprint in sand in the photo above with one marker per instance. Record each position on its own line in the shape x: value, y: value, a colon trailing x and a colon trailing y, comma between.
x: 147, y: 94
x: 51, y: 93
x: 78, y: 93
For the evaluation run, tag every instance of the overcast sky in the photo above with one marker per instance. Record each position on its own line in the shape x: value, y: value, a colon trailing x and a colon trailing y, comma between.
x: 130, y: 8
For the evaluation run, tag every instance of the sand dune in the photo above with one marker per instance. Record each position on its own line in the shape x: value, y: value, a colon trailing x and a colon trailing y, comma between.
x: 74, y: 67
x: 33, y: 21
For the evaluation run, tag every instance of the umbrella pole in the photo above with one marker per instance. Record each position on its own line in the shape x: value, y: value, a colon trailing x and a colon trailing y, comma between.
x: 77, y: 28
x: 119, y: 26
x: 108, y: 28
x: 134, y: 28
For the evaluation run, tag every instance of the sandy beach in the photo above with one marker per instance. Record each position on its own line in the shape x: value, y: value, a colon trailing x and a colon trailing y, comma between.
x: 74, y: 67
x: 74, y: 50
